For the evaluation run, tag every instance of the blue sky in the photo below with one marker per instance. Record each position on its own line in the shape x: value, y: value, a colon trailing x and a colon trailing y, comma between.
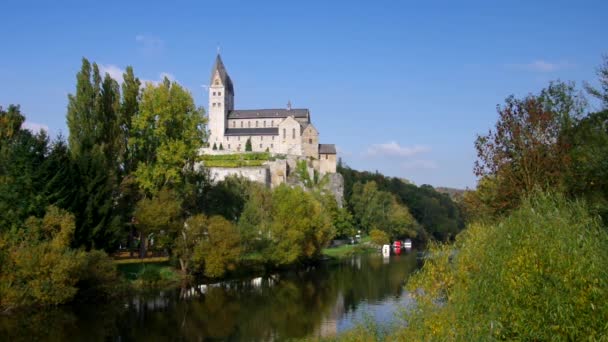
x: 401, y: 87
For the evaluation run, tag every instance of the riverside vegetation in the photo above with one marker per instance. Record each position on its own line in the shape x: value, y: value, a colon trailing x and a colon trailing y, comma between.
x: 129, y: 178
x: 532, y: 263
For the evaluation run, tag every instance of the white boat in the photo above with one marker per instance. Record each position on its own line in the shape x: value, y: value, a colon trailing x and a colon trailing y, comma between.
x: 407, y: 244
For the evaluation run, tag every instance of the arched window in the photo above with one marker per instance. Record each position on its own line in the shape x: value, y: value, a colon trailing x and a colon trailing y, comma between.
x: 264, y: 123
x: 249, y: 124
x: 217, y: 82
x: 271, y: 123
x: 219, y: 93
x: 284, y: 133
x: 227, y: 138
x: 256, y: 124
x: 241, y: 124
x: 293, y: 133
x: 233, y: 124
x: 310, y: 141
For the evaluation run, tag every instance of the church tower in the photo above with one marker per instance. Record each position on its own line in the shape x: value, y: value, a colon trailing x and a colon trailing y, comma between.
x: 221, y: 101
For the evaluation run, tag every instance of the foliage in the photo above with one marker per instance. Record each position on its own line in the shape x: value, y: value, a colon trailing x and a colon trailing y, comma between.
x: 248, y: 145
x: 220, y: 249
x: 95, y: 147
x: 602, y: 92
x: 227, y: 198
x: 529, y: 148
x: 167, y: 134
x: 39, y: 268
x: 299, y: 229
x: 287, y: 225
x: 538, y: 274
x: 379, y: 237
x: 237, y: 156
x: 435, y: 212
x: 588, y: 176
x: 187, y: 240
x: 379, y: 209
x: 159, y: 215
x: 234, y: 163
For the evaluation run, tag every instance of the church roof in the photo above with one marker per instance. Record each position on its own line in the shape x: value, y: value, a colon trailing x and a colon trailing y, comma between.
x: 219, y: 66
x: 327, y: 149
x: 268, y: 113
x: 251, y: 131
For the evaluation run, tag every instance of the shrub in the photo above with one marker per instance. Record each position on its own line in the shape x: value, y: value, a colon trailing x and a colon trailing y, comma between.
x: 379, y: 237
x: 539, y: 274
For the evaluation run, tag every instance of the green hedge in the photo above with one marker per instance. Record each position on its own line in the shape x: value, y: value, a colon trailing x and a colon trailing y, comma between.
x: 233, y: 163
x: 264, y: 156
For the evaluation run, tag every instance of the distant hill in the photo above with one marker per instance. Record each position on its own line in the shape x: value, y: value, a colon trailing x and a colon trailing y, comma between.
x: 455, y: 194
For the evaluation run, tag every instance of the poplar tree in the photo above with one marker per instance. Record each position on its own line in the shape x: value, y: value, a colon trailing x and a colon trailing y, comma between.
x: 93, y: 140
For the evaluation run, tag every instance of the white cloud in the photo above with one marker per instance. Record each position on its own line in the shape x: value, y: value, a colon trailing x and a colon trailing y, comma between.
x: 149, y: 42
x: 419, y: 164
x: 541, y: 66
x: 161, y: 77
x: 393, y: 149
x: 35, y: 127
x: 114, y: 71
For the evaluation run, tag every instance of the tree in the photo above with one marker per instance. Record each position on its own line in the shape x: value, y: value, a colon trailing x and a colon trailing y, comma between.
x: 220, y: 249
x: 248, y: 145
x: 506, y: 280
x: 158, y: 215
x: 214, y: 147
x: 379, y: 237
x: 528, y: 148
x: 601, y: 93
x: 188, y: 238
x: 94, y: 144
x: 300, y: 228
x: 381, y: 210
x: 221, y: 147
x: 38, y: 267
x: 167, y: 132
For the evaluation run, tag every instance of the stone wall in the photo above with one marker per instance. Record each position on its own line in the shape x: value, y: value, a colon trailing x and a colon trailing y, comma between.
x: 259, y: 174
x: 327, y: 163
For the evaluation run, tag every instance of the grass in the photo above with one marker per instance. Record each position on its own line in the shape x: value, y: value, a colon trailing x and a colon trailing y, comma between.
x: 132, y: 268
x: 140, y: 261
x: 348, y: 250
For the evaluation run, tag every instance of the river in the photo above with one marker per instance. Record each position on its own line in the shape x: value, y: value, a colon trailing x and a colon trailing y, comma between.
x: 319, y: 301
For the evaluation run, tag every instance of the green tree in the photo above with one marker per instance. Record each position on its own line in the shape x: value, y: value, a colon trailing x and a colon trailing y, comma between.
x: 601, y: 93
x: 94, y: 144
x: 248, y: 145
x: 214, y: 146
x: 506, y: 282
x: 220, y: 250
x: 379, y: 237
x: 379, y: 209
x: 167, y: 133
x: 188, y: 238
x: 300, y: 227
x: 159, y: 215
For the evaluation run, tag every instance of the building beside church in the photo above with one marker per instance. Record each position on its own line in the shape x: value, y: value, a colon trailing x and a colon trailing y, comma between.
x: 287, y: 131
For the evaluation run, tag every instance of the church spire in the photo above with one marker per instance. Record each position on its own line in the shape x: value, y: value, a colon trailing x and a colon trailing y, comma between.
x: 218, y: 67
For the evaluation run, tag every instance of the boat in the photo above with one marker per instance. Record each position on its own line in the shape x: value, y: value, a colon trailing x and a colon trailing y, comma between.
x: 407, y: 244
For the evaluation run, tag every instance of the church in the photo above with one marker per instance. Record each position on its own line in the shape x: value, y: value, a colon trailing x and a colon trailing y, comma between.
x: 287, y: 131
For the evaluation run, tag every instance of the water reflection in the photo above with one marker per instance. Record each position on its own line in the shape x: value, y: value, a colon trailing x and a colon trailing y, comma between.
x: 321, y: 300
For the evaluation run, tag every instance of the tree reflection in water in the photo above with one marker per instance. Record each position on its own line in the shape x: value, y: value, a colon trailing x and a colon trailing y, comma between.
x: 292, y: 304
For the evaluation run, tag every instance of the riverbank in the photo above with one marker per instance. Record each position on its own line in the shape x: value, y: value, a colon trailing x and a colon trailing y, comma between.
x: 158, y: 272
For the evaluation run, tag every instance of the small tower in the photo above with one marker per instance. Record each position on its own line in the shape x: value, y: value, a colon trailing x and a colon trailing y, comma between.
x: 221, y: 101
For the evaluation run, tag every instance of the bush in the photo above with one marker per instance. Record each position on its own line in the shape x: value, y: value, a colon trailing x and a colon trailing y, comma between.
x: 379, y: 237
x: 539, y: 274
